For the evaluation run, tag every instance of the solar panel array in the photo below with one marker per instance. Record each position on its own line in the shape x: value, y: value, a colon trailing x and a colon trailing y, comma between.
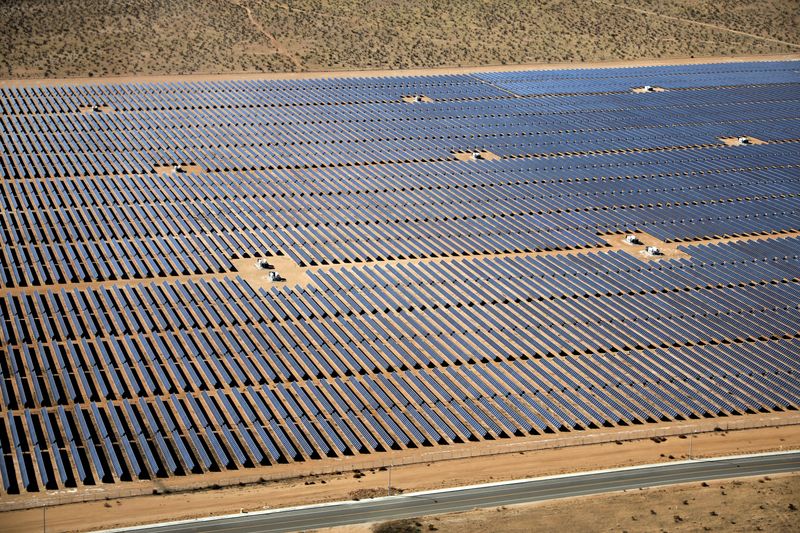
x: 446, y: 301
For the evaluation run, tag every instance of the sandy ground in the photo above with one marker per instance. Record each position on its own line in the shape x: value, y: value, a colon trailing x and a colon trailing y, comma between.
x: 652, y: 89
x: 88, y: 110
x: 766, y: 503
x: 734, y: 141
x: 187, y: 168
x: 397, y: 72
x: 418, y: 98
x: 137, y: 510
x: 668, y: 250
x: 468, y: 156
x: 291, y: 273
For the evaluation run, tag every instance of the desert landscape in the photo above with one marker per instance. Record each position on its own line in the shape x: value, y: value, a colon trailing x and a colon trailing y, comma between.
x: 257, y: 254
x: 101, y: 38
x: 169, y: 365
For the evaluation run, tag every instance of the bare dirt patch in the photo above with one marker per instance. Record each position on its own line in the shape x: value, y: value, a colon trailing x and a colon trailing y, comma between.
x: 291, y: 273
x: 667, y: 250
x: 648, y: 89
x: 417, y: 98
x: 89, y: 109
x: 188, y: 168
x: 765, y: 503
x: 737, y: 141
x: 476, y: 156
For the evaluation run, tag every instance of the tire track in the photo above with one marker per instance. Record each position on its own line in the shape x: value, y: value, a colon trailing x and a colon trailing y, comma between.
x: 698, y: 23
x: 279, y: 48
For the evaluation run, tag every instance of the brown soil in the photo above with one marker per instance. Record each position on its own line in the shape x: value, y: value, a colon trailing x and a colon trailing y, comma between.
x: 668, y: 250
x: 292, y: 273
x: 189, y: 168
x: 652, y: 90
x: 734, y: 141
x: 765, y: 503
x: 468, y: 156
x: 88, y: 110
x: 324, y: 488
x: 417, y: 99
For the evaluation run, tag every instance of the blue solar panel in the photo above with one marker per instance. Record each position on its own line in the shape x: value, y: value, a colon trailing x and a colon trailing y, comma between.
x: 442, y: 297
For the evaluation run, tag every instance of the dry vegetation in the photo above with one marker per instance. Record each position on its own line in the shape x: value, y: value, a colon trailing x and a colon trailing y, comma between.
x: 62, y: 38
x: 774, y: 19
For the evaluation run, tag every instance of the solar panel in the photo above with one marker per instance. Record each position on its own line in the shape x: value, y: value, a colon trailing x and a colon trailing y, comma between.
x: 439, y: 298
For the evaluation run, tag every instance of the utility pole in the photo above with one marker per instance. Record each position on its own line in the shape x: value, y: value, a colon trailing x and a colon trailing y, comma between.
x: 389, y: 488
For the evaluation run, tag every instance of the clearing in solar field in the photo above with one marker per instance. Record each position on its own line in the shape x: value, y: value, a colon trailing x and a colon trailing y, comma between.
x: 242, y: 276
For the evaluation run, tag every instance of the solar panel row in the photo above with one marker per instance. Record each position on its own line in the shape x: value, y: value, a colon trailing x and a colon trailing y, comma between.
x: 101, y: 355
x: 154, y: 130
x: 180, y: 236
x: 354, y: 90
x: 132, y: 349
x: 131, y: 317
x: 94, y: 442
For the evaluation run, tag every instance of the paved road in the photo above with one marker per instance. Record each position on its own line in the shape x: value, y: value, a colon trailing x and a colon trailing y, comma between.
x: 424, y: 504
